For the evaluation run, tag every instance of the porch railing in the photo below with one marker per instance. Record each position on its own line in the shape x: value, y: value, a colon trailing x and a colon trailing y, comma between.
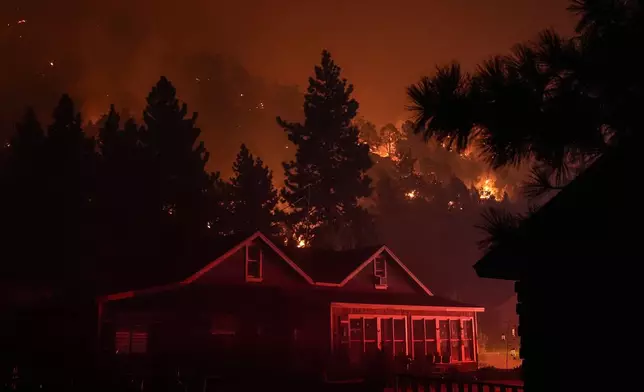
x: 409, y: 383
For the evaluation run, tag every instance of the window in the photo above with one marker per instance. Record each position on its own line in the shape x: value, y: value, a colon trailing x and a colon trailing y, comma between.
x: 450, y: 339
x: 253, y: 263
x: 468, y: 340
x: 424, y: 337
x: 369, y: 334
x: 131, y: 342
x: 380, y: 271
x: 455, y: 340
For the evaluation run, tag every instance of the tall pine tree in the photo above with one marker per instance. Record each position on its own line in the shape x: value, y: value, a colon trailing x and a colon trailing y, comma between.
x: 328, y: 176
x: 172, y: 138
x: 253, y: 197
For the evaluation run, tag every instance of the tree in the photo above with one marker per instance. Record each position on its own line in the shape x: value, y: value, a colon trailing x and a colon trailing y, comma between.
x: 172, y: 139
x: 368, y: 132
x: 23, y: 183
x: 328, y: 176
x: 70, y: 182
x: 555, y: 103
x: 253, y: 197
x: 126, y: 204
x: 389, y: 136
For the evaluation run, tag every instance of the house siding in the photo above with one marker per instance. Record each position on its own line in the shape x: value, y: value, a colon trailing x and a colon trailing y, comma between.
x: 275, y: 271
x: 397, y: 280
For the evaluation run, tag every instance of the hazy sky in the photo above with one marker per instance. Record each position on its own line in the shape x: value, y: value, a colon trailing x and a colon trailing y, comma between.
x: 382, y: 45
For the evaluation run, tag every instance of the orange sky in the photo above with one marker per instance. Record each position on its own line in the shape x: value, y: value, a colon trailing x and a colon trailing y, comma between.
x: 383, y: 46
x: 115, y: 53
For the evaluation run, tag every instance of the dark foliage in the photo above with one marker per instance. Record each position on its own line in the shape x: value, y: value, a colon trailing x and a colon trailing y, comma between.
x: 328, y: 177
x: 253, y: 198
x: 555, y: 103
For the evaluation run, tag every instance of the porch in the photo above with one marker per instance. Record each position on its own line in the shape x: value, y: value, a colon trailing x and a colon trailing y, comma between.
x: 438, y: 336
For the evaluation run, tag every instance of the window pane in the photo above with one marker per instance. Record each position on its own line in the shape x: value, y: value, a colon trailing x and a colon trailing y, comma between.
x: 122, y: 342
x: 400, y: 348
x: 254, y: 252
x: 380, y: 266
x: 386, y: 329
x: 399, y: 329
x: 469, y: 350
x: 444, y: 348
x: 371, y: 329
x: 467, y: 329
x: 455, y: 329
x: 444, y: 329
x: 253, y: 269
x: 419, y: 350
x: 431, y: 348
x: 356, y: 329
x: 456, y: 350
x: 430, y: 329
x: 139, y: 342
x: 418, y: 331
x: 388, y: 347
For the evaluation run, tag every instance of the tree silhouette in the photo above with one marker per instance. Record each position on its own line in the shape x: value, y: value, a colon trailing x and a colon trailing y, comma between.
x: 328, y: 177
x: 126, y: 204
x: 368, y: 132
x: 172, y: 139
x: 556, y: 103
x: 253, y: 197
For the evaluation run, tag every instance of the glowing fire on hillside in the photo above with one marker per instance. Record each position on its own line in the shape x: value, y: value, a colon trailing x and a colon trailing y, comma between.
x: 411, y: 194
x: 487, y: 189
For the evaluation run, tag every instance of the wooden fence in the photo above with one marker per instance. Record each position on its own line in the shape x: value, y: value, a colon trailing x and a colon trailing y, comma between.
x: 408, y: 383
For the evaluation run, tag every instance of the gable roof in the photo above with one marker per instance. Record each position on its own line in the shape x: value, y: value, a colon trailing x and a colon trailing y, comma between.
x: 592, y: 194
x: 329, y: 268
x: 228, y: 246
x: 337, y: 268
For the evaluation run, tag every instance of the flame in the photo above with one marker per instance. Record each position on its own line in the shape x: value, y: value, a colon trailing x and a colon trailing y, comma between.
x: 486, y: 186
x: 411, y: 195
x: 301, y: 243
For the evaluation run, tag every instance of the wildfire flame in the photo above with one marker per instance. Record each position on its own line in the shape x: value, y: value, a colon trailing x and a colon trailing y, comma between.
x: 486, y: 186
x: 411, y: 194
x: 301, y: 243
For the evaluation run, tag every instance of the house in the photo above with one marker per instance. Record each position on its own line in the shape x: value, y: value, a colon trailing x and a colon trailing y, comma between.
x: 575, y: 264
x: 255, y: 301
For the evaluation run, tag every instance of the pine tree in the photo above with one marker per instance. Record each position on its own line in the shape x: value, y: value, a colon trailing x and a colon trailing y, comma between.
x: 23, y: 188
x: 69, y: 190
x: 328, y: 176
x: 126, y: 204
x: 253, y: 196
x: 173, y: 140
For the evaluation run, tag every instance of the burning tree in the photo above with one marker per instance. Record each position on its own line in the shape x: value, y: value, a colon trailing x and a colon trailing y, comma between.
x: 328, y: 176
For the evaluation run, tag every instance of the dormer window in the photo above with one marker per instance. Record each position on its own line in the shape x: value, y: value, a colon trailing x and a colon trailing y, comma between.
x: 380, y: 271
x: 253, y: 263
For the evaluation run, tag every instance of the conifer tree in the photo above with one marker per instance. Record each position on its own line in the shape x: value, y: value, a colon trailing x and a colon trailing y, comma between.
x: 172, y: 138
x: 253, y: 197
x: 328, y: 176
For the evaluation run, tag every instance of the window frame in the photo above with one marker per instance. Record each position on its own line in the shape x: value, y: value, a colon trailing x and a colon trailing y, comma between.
x: 379, y: 340
x: 438, y: 339
x: 247, y: 261
x: 377, y: 275
x: 129, y: 334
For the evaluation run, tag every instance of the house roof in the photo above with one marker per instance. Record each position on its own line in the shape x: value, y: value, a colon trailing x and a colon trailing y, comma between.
x: 262, y: 296
x: 575, y: 210
x: 331, y: 266
x: 323, y: 270
x: 337, y: 268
